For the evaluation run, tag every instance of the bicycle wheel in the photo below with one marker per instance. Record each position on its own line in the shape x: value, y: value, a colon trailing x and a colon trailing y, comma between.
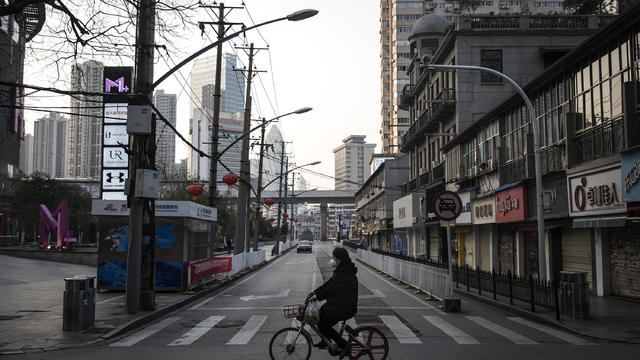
x: 375, y: 340
x: 281, y: 345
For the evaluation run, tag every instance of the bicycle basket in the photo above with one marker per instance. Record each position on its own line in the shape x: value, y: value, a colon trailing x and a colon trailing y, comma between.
x: 291, y: 311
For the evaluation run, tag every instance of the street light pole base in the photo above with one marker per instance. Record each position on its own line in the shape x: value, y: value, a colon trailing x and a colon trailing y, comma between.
x: 451, y: 305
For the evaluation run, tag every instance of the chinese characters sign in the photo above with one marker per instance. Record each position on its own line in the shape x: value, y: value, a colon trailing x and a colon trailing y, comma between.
x: 510, y: 205
x: 483, y: 210
x: 631, y: 175
x: 595, y: 193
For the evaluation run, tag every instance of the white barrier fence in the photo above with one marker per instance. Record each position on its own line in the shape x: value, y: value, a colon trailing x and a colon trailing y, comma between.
x: 286, y: 245
x: 246, y: 260
x: 429, y: 279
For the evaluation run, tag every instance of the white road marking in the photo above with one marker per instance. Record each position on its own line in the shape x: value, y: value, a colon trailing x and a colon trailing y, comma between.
x: 198, y: 305
x: 110, y: 299
x: 502, y: 331
x: 281, y: 294
x: 376, y: 294
x: 572, y: 339
x: 197, y: 331
x: 404, y: 292
x: 400, y: 330
x: 146, y: 332
x: 456, y: 334
x: 248, y: 330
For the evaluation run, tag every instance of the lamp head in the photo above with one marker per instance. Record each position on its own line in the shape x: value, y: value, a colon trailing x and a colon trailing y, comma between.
x: 315, y: 163
x: 301, y: 14
x: 303, y: 110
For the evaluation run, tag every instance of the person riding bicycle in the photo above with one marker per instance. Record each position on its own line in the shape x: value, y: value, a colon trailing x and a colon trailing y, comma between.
x: 341, y: 293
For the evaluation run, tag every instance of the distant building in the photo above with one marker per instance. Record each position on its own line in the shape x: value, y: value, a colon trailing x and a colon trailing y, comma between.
x: 379, y: 159
x: 26, y: 155
x: 352, y: 162
x: 84, y: 129
x: 231, y: 85
x: 49, y: 145
x: 165, y: 137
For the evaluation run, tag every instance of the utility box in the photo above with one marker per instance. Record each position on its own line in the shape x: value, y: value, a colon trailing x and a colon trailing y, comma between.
x: 574, y: 294
x: 79, y: 303
x: 147, y: 184
x: 139, y: 120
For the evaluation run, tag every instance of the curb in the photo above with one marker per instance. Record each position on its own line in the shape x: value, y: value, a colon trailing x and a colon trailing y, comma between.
x: 156, y: 314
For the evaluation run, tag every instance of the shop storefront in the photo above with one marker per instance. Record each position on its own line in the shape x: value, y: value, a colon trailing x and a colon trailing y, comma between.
x: 511, y: 209
x: 596, y: 206
x: 464, y: 233
x: 405, y: 211
x: 483, y: 217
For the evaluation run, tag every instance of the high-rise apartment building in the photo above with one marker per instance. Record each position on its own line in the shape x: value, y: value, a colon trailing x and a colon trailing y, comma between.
x: 84, y: 128
x: 50, y: 145
x: 397, y: 18
x: 26, y: 154
x: 165, y: 138
x: 231, y: 85
x: 352, y: 163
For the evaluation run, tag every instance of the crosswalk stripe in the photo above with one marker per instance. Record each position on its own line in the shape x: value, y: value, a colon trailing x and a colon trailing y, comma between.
x: 456, y: 334
x: 248, y: 330
x: 502, y: 331
x: 400, y: 330
x: 571, y: 339
x: 197, y: 331
x: 145, y: 333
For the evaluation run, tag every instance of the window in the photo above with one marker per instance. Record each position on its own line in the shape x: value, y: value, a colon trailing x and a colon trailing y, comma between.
x: 555, y: 4
x: 491, y: 59
x: 403, y: 120
x: 402, y: 43
x: 412, y: 4
x: 403, y: 56
x: 408, y: 17
x: 402, y: 29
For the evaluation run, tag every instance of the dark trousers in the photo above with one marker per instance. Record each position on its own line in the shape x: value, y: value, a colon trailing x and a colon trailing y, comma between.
x: 327, y: 320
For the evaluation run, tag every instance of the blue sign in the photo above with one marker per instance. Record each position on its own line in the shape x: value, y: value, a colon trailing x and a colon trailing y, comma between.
x: 630, y: 170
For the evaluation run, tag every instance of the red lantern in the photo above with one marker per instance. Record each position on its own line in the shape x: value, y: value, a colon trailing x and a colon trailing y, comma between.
x: 230, y: 179
x: 272, y: 219
x: 285, y: 215
x: 295, y: 221
x: 195, y: 191
x: 269, y: 202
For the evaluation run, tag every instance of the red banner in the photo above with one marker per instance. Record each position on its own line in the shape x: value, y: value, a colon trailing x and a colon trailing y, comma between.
x: 203, y: 269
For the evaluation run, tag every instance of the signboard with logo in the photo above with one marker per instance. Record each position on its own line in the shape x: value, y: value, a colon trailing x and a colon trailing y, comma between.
x: 165, y: 208
x: 631, y: 175
x: 596, y: 192
x: 510, y: 205
x: 482, y: 210
x: 115, y: 163
x: 403, y: 211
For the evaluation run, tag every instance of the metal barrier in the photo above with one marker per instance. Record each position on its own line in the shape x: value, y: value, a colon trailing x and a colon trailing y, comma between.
x: 429, y: 279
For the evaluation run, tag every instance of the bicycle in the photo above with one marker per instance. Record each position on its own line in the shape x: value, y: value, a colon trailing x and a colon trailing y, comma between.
x: 295, y: 342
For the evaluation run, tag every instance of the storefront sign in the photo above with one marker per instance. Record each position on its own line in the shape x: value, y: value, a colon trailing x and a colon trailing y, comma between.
x: 165, y: 208
x: 482, y: 210
x: 595, y: 192
x: 404, y: 211
x: 510, y: 205
x: 631, y: 175
x: 203, y: 269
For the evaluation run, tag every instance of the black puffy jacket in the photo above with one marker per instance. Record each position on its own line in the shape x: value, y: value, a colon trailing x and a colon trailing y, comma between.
x: 341, y: 292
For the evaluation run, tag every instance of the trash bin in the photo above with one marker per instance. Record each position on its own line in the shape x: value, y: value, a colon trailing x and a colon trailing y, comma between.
x: 574, y: 294
x: 78, y: 310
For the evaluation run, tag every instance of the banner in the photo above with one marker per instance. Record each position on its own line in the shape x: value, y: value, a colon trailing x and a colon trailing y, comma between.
x: 203, y: 269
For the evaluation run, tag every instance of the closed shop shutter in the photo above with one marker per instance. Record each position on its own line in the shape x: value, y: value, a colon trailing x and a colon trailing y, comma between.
x: 576, y: 251
x: 434, y: 237
x: 484, y: 242
x: 506, y: 250
x: 624, y: 246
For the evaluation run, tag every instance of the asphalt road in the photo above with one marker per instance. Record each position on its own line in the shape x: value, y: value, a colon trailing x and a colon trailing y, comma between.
x: 238, y: 322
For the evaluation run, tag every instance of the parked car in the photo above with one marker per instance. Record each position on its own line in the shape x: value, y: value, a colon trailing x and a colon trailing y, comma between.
x: 305, y: 246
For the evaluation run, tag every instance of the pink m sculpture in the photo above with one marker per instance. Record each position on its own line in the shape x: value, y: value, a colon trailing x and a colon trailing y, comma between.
x: 57, y: 223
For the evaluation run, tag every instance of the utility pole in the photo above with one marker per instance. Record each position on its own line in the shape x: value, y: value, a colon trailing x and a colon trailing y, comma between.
x: 213, y: 166
x: 258, y: 211
x: 276, y: 249
x: 140, y: 258
x: 285, y: 224
x: 245, y: 176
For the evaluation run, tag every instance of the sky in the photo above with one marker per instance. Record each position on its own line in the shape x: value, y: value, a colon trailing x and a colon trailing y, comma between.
x: 330, y: 62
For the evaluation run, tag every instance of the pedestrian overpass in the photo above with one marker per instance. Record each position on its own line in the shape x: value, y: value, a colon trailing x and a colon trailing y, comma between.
x: 322, y: 197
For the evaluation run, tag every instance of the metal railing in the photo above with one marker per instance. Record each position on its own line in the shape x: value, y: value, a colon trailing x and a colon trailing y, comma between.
x: 603, y: 140
x: 553, y: 158
x: 420, y: 260
x: 526, y: 289
x: 513, y: 171
x: 437, y: 110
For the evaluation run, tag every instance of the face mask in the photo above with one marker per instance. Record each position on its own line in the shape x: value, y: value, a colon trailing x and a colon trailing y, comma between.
x: 332, y: 263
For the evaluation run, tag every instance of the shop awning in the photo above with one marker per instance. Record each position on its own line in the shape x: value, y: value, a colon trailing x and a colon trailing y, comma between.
x: 619, y: 221
x: 506, y: 186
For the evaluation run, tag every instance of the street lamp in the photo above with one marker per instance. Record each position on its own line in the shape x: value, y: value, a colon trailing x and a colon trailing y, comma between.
x: 288, y: 171
x: 536, y: 143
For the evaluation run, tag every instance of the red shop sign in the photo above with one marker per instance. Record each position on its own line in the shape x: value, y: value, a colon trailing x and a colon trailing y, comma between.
x: 511, y: 205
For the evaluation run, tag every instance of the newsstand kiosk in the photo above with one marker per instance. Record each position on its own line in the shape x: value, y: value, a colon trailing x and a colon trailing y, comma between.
x: 181, y: 235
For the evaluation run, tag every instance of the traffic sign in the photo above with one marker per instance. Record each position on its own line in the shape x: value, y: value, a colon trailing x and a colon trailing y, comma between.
x: 447, y: 205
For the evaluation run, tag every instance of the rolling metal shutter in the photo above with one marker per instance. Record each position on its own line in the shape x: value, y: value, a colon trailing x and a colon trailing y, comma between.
x: 576, y: 251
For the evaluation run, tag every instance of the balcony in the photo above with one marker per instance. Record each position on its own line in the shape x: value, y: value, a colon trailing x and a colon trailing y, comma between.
x: 406, y: 98
x: 513, y: 171
x: 603, y: 140
x: 553, y: 158
x: 439, y: 109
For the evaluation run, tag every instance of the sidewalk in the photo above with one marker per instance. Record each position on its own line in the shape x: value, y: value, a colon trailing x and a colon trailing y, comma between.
x: 31, y: 310
x: 611, y: 318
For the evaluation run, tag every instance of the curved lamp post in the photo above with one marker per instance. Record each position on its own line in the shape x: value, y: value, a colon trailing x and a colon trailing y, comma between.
x: 537, y: 160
